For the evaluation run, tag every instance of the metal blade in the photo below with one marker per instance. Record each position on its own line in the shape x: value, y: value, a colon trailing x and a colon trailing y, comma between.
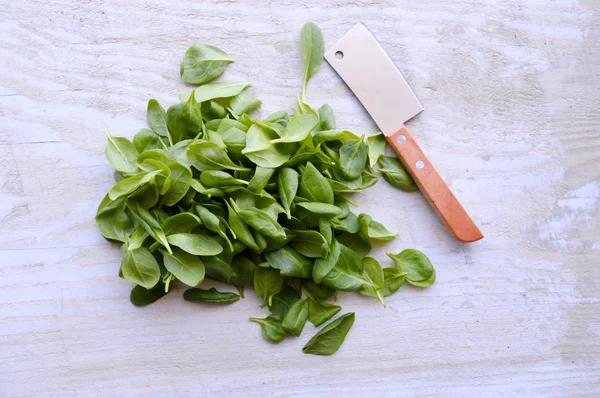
x: 370, y: 73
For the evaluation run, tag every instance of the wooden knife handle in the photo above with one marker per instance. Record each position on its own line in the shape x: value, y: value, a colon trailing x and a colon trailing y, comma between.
x: 432, y: 186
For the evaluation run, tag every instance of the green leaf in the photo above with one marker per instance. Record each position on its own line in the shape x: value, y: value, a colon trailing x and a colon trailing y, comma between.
x: 157, y: 119
x: 211, y: 91
x: 181, y: 223
x: 186, y: 267
x: 260, y: 179
x: 373, y: 229
x: 235, y: 141
x: 324, y: 265
x: 140, y: 296
x: 243, y: 273
x: 314, y: 187
x: 199, y: 245
x: 181, y: 180
x: 240, y: 228
x: 393, y: 280
x: 163, y: 179
x: 298, y: 128
x: 290, y: 262
x: 326, y: 118
x: 218, y: 269
x: 347, y: 274
x: 418, y: 268
x: 261, y: 151
x: 353, y: 158
x: 287, y: 185
x: 112, y: 219
x: 282, y: 301
x: 121, y: 153
x: 149, y: 223
x: 331, y: 337
x: 146, y: 197
x: 313, y: 49
x: 217, y: 178
x: 334, y: 135
x: 184, y: 120
x: 213, y: 223
x: 296, y: 317
x: 203, y: 63
x: 146, y: 139
x: 358, y: 242
x: 349, y: 224
x: 244, y: 102
x: 320, y: 312
x: 326, y: 230
x: 139, y: 266
x: 267, y: 283
x: 276, y: 116
x: 271, y: 328
x: 310, y: 244
x: 208, y: 156
x: 263, y: 223
x: 210, y: 296
x: 395, y: 174
x: 374, y: 274
x: 323, y: 209
x: 321, y: 291
x: 376, y: 144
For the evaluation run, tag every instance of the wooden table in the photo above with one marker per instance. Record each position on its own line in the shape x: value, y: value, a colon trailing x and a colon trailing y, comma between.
x: 512, y: 122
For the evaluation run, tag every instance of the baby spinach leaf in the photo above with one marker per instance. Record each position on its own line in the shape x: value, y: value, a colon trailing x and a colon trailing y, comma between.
x: 324, y: 265
x: 393, y: 280
x: 321, y: 291
x: 181, y: 180
x: 322, y: 209
x: 310, y: 244
x: 157, y: 119
x: 320, y: 312
x: 178, y: 152
x: 276, y: 116
x: 112, y: 219
x: 314, y: 187
x: 210, y: 91
x: 376, y: 144
x: 213, y: 223
x: 199, y: 245
x: 295, y: 318
x: 146, y: 139
x: 418, y: 268
x: 163, y: 179
x: 140, y: 296
x: 181, y: 223
x: 217, y: 178
x: 263, y: 223
x: 334, y: 135
x: 184, y: 120
x: 326, y: 230
x: 260, y: 179
x: 287, y: 184
x: 203, y: 63
x: 240, y: 228
x: 374, y: 274
x: 313, y: 155
x: 394, y: 173
x: 186, y: 267
x: 326, y: 118
x: 290, y: 262
x: 331, y: 337
x: 353, y: 157
x: 298, y: 128
x: 261, y: 151
x: 146, y: 197
x: 210, y: 296
x: 208, y: 156
x: 313, y: 49
x: 347, y: 274
x: 271, y: 328
x: 212, y: 110
x: 121, y: 153
x: 217, y: 269
x: 149, y: 223
x: 267, y: 283
x: 282, y: 301
x: 139, y: 266
x: 373, y: 229
x: 243, y: 273
x: 244, y: 102
x: 358, y: 242
x: 235, y: 141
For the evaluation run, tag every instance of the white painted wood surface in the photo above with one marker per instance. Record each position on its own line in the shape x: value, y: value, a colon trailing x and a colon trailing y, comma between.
x: 512, y: 122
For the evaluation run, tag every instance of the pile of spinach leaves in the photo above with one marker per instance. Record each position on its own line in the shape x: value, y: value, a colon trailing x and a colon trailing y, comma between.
x: 209, y: 192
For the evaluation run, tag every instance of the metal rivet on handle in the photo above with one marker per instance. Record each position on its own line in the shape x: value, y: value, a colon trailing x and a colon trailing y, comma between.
x: 401, y: 139
x: 420, y: 164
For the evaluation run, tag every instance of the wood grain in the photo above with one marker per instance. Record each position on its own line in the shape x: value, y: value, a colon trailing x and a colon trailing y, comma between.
x: 432, y: 186
x: 511, y: 90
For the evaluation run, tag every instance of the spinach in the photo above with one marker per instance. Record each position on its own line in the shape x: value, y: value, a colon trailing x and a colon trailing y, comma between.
x: 330, y: 338
x: 211, y: 296
x: 394, y: 173
x: 267, y: 283
x: 200, y: 194
x: 418, y: 268
x: 203, y: 63
x: 271, y: 328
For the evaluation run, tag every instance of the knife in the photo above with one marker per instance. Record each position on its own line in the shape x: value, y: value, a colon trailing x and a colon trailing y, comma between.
x: 366, y: 68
